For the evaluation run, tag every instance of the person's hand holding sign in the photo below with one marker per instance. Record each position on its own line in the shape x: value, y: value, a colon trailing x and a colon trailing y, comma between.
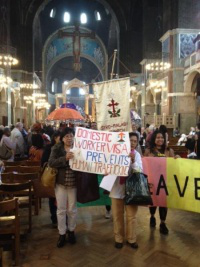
x: 69, y: 155
x: 132, y: 156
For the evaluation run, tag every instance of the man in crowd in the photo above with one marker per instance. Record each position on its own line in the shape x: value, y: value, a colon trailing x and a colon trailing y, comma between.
x: 17, y: 137
x: 197, y: 139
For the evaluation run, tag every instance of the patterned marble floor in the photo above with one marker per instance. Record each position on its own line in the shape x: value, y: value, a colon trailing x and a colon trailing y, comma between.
x: 95, y: 245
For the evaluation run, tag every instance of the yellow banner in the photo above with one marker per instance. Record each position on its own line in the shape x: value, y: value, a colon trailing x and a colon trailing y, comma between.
x: 183, y: 184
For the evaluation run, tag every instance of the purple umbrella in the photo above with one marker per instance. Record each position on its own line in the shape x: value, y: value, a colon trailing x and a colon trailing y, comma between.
x: 68, y: 105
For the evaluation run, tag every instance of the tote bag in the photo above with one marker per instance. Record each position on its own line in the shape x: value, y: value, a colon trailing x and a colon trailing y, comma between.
x: 48, y: 177
x: 137, y: 190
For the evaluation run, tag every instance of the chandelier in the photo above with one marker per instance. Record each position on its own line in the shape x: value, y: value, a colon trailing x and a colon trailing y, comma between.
x: 41, y: 105
x: 38, y: 95
x: 158, y: 66
x: 28, y: 86
x: 5, y: 81
x: 8, y: 60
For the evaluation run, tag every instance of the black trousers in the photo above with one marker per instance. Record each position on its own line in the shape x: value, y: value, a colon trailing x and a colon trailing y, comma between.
x: 108, y: 207
x: 162, y: 212
x: 53, y: 209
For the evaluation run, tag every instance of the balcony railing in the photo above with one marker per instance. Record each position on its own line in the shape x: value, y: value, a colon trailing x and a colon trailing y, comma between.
x: 192, y: 59
x: 168, y: 120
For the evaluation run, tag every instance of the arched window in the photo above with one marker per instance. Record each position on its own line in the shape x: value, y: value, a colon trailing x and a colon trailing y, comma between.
x: 81, y: 91
x: 97, y: 15
x: 52, y: 13
x: 83, y: 18
x: 66, y: 17
x: 53, y: 87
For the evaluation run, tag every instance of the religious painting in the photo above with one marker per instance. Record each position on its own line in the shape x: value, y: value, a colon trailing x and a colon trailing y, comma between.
x: 65, y: 43
x: 187, y: 46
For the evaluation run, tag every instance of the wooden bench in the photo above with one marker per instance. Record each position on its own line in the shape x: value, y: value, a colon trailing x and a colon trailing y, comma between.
x: 179, y: 150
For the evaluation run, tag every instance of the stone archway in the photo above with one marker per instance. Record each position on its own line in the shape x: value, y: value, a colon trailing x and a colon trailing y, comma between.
x: 192, y: 94
x: 44, y: 28
x: 56, y: 49
x: 75, y: 83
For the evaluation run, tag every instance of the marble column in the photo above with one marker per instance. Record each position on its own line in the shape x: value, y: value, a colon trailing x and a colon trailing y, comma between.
x: 3, y: 111
x: 93, y: 109
x: 87, y: 104
x: 9, y: 105
x: 57, y: 102
x: 17, y: 115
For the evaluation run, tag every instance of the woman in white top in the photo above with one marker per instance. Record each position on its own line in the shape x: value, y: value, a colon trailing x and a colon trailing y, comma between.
x: 117, y: 195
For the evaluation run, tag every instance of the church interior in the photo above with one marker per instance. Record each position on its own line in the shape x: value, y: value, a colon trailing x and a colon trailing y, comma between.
x: 52, y: 52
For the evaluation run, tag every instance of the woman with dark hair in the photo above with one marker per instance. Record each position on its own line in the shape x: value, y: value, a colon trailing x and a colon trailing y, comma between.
x: 55, y: 139
x: 117, y: 195
x: 36, y: 150
x: 65, y: 188
x: 158, y: 148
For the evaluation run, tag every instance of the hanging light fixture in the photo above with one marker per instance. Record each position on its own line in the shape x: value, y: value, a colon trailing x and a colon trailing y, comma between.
x: 5, y: 81
x: 158, y: 66
x: 7, y: 60
x: 29, y: 86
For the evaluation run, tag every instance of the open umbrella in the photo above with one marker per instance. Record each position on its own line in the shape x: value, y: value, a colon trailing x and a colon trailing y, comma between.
x: 73, y: 106
x: 65, y: 115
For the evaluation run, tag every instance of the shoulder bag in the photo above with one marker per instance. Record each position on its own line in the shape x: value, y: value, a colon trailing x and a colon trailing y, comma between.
x: 48, y: 176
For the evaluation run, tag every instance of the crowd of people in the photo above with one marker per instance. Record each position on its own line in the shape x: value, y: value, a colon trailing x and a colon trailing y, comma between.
x: 46, y: 144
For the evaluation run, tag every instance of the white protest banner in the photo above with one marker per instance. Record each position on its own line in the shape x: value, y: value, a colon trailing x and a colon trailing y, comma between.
x: 101, y: 152
x: 112, y: 100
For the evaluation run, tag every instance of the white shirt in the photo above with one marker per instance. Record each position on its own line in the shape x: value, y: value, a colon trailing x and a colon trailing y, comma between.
x: 118, y: 190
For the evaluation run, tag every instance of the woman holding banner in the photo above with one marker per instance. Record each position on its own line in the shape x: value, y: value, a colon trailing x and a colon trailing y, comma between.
x: 117, y: 195
x: 158, y: 148
x: 65, y: 189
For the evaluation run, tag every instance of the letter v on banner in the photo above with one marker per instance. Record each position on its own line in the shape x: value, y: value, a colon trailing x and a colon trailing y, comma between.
x: 181, y: 194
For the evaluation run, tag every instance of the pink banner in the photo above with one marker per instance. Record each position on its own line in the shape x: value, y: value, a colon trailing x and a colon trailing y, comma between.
x: 156, y: 171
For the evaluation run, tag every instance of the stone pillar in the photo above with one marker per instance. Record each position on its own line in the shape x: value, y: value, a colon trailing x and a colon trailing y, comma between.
x: 33, y: 111
x: 9, y: 105
x: 3, y: 111
x: 93, y: 109
x: 87, y: 104
x: 155, y: 118
x: 17, y: 114
x: 64, y: 99
x: 57, y: 102
x: 164, y: 119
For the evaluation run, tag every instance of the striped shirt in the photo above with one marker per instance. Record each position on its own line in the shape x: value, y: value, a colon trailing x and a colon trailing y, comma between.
x: 70, y: 180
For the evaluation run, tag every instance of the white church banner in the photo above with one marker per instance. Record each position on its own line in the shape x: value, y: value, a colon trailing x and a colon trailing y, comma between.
x: 101, y: 152
x: 113, y: 105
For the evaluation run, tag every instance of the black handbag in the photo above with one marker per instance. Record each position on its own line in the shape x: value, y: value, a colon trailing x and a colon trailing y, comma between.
x: 87, y: 187
x: 137, y: 190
